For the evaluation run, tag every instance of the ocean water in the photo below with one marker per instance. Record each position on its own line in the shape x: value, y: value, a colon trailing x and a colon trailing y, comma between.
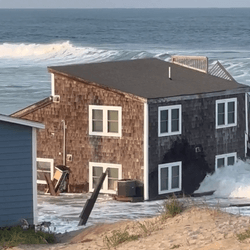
x: 32, y: 40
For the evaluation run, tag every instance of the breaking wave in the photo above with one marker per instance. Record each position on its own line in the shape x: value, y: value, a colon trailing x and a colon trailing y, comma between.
x: 231, y: 181
x: 61, y: 53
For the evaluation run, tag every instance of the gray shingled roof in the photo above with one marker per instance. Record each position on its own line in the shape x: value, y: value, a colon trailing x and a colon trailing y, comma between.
x: 148, y: 78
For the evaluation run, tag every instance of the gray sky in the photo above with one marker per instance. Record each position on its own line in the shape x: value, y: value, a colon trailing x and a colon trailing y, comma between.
x: 124, y: 3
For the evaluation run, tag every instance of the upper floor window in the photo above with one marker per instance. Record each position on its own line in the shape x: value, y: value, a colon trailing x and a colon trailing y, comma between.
x: 169, y: 120
x: 225, y: 160
x: 105, y: 120
x: 226, y: 113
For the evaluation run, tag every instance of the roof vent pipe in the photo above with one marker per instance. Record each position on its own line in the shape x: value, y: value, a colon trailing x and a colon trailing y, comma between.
x: 169, y: 73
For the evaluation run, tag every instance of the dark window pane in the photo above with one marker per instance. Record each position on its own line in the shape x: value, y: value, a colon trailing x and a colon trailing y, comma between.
x: 230, y: 118
x: 164, y: 115
x: 97, y: 114
x: 97, y: 126
x: 164, y: 127
x: 221, y: 108
x: 175, y: 177
x: 220, y: 162
x: 230, y: 160
x: 95, y: 182
x: 112, y: 115
x: 175, y: 170
x: 164, y: 121
x: 175, y: 125
x: 97, y: 118
x: 231, y: 107
x: 111, y: 184
x: 221, y: 114
x: 164, y: 179
x: 97, y: 171
x: 221, y: 119
x: 43, y: 165
x: 175, y: 113
x: 113, y: 127
x: 41, y: 176
x: 113, y: 173
x: 175, y: 182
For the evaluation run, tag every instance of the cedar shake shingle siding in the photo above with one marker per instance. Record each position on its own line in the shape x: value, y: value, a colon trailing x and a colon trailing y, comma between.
x: 75, y: 98
x: 198, y: 130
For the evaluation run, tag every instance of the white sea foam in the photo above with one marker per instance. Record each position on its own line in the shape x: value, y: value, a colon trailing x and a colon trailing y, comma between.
x: 59, y: 53
x: 230, y: 181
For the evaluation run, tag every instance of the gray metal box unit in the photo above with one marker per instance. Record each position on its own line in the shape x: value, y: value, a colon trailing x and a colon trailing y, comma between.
x: 126, y: 188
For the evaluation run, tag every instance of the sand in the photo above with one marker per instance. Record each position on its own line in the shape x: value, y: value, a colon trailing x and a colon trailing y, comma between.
x: 196, y: 228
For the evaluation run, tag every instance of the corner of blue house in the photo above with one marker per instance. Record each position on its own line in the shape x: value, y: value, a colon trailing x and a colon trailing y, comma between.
x: 18, y: 191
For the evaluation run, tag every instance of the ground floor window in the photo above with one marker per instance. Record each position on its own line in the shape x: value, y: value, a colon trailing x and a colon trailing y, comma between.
x: 109, y: 184
x: 225, y: 160
x: 44, y: 166
x: 169, y: 177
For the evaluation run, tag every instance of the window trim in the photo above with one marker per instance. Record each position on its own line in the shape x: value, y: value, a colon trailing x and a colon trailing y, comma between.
x: 105, y: 183
x: 169, y: 166
x: 51, y: 161
x: 169, y: 108
x: 225, y: 156
x: 226, y: 101
x: 105, y: 110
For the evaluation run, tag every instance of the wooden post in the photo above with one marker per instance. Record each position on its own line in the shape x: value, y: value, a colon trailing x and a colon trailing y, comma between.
x: 50, y: 185
x: 91, y: 202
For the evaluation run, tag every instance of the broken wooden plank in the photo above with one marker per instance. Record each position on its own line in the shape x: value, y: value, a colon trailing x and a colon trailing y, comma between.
x: 50, y: 185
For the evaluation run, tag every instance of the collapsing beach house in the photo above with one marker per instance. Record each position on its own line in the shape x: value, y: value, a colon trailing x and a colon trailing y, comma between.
x: 166, y: 124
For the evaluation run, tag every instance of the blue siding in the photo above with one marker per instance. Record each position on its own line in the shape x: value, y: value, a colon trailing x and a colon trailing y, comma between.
x: 16, y: 189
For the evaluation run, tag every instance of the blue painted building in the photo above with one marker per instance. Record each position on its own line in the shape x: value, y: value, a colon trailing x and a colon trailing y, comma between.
x: 18, y: 191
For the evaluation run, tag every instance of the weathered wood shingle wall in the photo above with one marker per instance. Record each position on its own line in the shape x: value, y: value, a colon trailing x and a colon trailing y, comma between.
x: 198, y: 130
x: 75, y: 98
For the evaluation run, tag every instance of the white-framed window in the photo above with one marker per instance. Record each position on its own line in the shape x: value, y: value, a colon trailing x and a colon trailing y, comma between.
x: 44, y: 166
x: 114, y: 174
x: 169, y: 120
x: 225, y: 160
x: 105, y: 120
x: 226, y: 113
x: 169, y: 177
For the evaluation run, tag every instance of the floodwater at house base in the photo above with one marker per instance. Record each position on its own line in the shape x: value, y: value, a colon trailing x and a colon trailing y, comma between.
x: 232, y: 195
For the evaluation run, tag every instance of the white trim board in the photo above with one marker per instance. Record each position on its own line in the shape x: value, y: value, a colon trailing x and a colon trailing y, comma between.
x: 34, y: 177
x: 145, y: 156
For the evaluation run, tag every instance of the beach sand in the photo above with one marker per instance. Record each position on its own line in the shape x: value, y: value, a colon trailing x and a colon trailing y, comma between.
x: 196, y: 228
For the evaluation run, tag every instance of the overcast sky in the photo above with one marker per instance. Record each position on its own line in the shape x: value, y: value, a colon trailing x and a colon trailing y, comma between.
x: 124, y: 3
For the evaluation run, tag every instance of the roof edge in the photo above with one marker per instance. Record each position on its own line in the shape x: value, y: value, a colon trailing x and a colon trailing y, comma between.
x: 19, y: 121
x: 240, y: 90
x: 33, y: 107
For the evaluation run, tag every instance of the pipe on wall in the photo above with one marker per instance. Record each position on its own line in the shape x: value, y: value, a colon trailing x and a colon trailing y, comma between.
x: 64, y: 143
